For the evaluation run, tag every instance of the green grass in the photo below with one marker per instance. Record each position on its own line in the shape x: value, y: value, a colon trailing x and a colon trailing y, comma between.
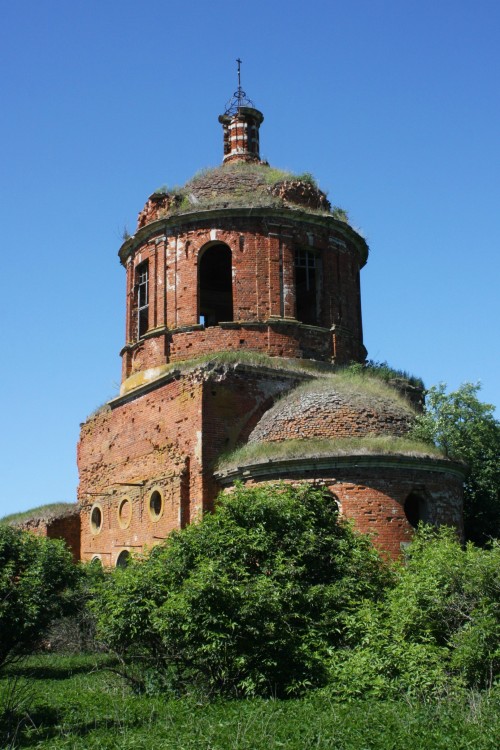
x: 216, y: 359
x: 357, y: 386
x: 316, y: 448
x: 354, y: 374
x: 44, y: 512
x: 239, y: 196
x: 74, y: 703
x: 270, y: 175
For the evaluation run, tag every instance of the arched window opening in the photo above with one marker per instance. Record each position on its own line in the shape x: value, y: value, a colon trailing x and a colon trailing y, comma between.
x: 123, y: 559
x: 142, y: 297
x: 416, y: 509
x: 215, y: 283
x: 307, y: 287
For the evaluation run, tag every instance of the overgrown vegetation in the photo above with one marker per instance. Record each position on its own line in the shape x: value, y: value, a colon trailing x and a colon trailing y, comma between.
x: 351, y: 373
x: 465, y: 428
x: 253, y: 190
x: 247, y: 602
x: 36, y: 577
x: 269, y: 175
x: 437, y: 631
x: 385, y: 372
x: 42, y: 512
x: 357, y: 385
x: 78, y: 704
x: 272, y: 595
x: 317, y: 447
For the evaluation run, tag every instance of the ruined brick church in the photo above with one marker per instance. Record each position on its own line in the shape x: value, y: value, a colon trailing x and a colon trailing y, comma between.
x: 242, y: 304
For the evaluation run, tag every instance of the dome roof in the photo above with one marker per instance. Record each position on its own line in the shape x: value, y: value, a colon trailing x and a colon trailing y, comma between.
x: 239, y: 184
x: 336, y: 408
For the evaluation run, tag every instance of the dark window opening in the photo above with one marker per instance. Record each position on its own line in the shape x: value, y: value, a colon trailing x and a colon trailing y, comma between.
x: 123, y: 559
x: 142, y: 291
x: 155, y: 504
x: 307, y: 287
x: 216, y: 285
x: 416, y: 509
x: 96, y: 519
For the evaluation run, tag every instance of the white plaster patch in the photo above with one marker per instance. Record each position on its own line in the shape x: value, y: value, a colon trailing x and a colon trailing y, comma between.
x: 199, y: 445
x: 213, y: 234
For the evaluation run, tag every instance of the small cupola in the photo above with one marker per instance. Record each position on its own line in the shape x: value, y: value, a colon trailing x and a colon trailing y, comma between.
x: 241, y: 122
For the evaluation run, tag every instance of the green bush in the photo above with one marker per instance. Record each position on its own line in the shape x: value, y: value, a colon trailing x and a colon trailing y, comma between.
x: 466, y: 429
x: 437, y: 631
x: 35, y: 579
x: 249, y: 601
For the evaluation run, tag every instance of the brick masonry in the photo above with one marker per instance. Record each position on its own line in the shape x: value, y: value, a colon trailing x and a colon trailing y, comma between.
x: 263, y: 289
x: 372, y: 490
x: 65, y: 527
x: 147, y: 459
x: 320, y: 413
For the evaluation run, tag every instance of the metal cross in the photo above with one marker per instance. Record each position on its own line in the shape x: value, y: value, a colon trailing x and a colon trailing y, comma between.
x: 239, y: 77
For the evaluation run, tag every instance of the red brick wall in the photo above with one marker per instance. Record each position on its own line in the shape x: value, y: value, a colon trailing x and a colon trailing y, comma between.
x: 332, y: 414
x: 144, y: 442
x: 263, y: 293
x: 374, y: 498
x: 66, y: 528
x: 168, y: 439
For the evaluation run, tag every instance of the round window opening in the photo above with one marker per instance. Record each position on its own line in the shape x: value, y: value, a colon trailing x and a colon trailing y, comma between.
x: 96, y: 560
x: 125, y: 513
x: 96, y: 519
x: 416, y: 509
x: 123, y: 559
x: 155, y: 505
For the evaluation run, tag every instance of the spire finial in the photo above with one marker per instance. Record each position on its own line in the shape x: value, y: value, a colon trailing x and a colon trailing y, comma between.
x: 239, y: 72
x: 239, y: 98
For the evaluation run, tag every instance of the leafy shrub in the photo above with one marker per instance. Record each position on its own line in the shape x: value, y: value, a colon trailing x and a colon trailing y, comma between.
x: 438, y: 629
x: 465, y: 428
x: 247, y: 602
x: 35, y: 579
x: 75, y: 632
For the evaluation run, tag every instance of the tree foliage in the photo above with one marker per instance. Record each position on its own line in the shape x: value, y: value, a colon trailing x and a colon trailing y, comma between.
x: 247, y: 602
x: 466, y: 429
x: 35, y: 579
x: 436, y: 631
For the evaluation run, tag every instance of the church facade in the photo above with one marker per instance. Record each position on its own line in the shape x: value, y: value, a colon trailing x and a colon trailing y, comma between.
x: 242, y: 305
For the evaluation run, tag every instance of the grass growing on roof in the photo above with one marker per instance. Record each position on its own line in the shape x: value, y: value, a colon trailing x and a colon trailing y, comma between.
x: 270, y: 175
x: 41, y: 512
x: 322, y: 447
x: 357, y: 387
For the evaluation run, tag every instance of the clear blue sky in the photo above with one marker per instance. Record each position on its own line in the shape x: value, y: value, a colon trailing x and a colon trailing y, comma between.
x: 393, y: 105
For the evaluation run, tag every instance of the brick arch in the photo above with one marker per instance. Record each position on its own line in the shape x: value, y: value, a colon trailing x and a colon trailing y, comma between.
x: 417, y: 506
x: 215, y: 283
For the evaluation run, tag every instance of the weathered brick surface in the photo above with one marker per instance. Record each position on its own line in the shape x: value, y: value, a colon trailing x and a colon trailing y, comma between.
x: 373, y: 497
x: 169, y: 435
x: 147, y: 460
x: 127, y: 450
x: 264, y: 301
x: 167, y: 439
x: 66, y: 527
x: 332, y: 414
